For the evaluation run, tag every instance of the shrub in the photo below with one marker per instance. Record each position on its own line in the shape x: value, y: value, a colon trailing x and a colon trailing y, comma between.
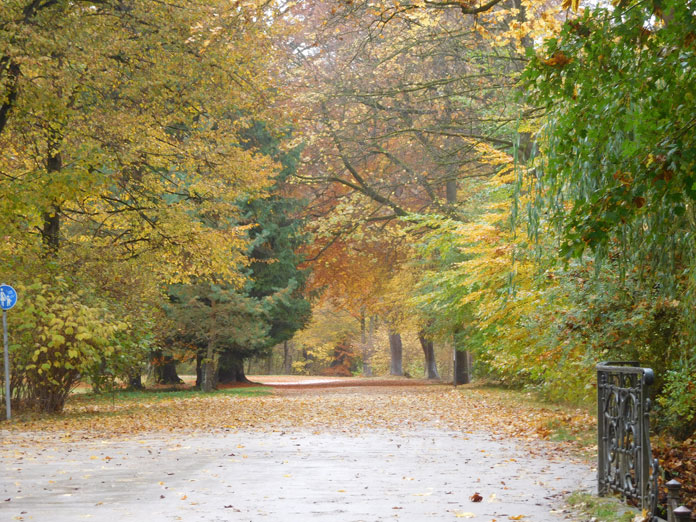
x: 57, y: 337
x: 678, y: 401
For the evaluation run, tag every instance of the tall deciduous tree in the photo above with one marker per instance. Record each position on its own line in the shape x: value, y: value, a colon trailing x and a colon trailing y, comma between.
x: 405, y: 107
x: 616, y: 181
x: 118, y: 122
x: 121, y: 164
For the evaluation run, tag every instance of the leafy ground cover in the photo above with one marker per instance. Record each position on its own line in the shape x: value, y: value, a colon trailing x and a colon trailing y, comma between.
x: 559, y: 422
x: 348, y: 409
x: 678, y: 460
x: 462, y: 436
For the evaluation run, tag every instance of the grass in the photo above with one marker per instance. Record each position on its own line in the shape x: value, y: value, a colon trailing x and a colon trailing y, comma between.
x: 87, y: 404
x: 561, y: 432
x: 124, y: 396
x: 603, y: 509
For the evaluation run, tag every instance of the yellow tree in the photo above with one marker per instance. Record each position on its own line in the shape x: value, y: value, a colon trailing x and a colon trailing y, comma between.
x: 120, y: 125
x: 121, y: 129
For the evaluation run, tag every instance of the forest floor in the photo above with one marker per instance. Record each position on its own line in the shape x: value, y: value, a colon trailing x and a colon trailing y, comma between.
x: 336, y: 451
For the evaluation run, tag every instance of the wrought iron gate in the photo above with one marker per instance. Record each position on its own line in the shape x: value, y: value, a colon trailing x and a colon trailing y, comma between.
x: 625, y: 463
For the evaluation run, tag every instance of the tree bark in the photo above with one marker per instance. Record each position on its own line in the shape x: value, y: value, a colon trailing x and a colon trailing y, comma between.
x: 462, y: 367
x: 366, y: 344
x: 231, y: 369
x: 370, y: 344
x: 397, y: 349
x: 208, y: 370
x: 50, y: 232
x: 165, y: 369
x: 11, y: 88
x: 286, y: 358
x: 429, y: 353
x: 461, y: 371
x: 269, y: 364
x: 451, y: 191
x: 135, y: 381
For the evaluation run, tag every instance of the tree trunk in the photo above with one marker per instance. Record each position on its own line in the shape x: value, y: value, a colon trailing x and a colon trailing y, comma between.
x: 11, y: 87
x: 165, y: 369
x: 369, y: 348
x: 208, y: 370
x: 231, y: 369
x: 451, y: 191
x: 50, y: 231
x: 269, y: 364
x: 135, y: 381
x: 286, y: 358
x: 199, y: 369
x: 397, y: 349
x: 365, y: 345
x: 429, y: 352
x: 462, y: 367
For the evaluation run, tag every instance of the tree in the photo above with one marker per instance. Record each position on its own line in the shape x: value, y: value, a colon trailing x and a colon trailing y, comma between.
x: 89, y: 78
x: 328, y: 341
x: 214, y: 320
x: 64, y: 335
x: 405, y: 105
x: 615, y: 181
x: 271, y: 299
x: 616, y: 172
x: 121, y: 133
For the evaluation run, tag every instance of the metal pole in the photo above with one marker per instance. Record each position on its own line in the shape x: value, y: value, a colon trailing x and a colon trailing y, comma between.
x: 8, y: 408
x: 601, y: 442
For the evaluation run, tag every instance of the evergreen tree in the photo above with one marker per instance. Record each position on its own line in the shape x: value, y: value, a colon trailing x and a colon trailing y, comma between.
x: 226, y: 325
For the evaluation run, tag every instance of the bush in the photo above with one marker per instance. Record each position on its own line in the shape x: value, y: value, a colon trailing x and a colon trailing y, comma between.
x: 677, y: 404
x: 56, y: 339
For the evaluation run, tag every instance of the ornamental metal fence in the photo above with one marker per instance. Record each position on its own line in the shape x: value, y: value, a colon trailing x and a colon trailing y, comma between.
x: 625, y: 462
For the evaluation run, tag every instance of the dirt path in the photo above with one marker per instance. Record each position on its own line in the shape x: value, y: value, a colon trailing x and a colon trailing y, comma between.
x: 313, y: 454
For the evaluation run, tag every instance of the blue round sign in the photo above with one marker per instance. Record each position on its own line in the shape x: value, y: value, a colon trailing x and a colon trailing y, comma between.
x: 8, y: 297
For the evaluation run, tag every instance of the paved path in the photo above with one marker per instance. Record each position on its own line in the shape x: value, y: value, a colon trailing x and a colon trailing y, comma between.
x: 293, y: 475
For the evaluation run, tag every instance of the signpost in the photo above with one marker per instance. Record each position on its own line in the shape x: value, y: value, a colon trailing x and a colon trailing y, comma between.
x: 8, y: 298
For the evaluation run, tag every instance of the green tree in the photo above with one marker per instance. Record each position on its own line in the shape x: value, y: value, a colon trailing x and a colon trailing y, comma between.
x: 270, y: 307
x: 617, y: 166
x: 615, y: 182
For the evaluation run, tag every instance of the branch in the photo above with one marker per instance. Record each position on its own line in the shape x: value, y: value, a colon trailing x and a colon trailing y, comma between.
x: 465, y: 9
x: 12, y: 69
x: 361, y: 185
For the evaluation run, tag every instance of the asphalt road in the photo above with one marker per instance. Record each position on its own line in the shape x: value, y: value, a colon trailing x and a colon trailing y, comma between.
x: 292, y: 475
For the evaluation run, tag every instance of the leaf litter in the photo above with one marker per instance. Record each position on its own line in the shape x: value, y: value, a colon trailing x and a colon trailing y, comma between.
x: 348, y: 410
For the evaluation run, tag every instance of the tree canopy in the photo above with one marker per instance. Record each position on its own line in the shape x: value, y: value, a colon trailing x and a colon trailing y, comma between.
x: 511, y: 178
